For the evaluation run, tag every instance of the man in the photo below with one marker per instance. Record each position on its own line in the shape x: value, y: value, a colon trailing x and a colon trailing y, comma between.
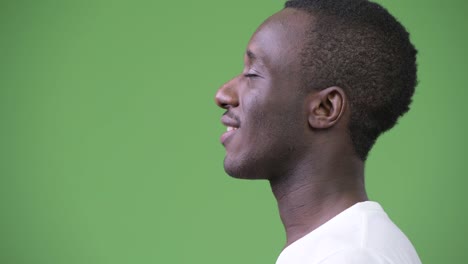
x: 322, y: 80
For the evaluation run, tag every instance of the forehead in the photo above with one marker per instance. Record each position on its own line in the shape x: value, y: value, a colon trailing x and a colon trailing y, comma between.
x: 280, y: 38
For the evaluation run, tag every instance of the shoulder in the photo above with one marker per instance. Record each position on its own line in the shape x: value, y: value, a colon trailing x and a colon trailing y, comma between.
x: 355, y: 256
x: 362, y: 234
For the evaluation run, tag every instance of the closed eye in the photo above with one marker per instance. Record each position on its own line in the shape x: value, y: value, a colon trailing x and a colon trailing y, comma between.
x: 250, y: 75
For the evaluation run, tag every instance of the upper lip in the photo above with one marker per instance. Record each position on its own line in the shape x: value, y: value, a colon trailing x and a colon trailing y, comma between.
x: 228, y: 121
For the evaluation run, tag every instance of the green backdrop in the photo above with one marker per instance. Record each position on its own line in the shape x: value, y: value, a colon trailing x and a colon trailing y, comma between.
x: 109, y: 135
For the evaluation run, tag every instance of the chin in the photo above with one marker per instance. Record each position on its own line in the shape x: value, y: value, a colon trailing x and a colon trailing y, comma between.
x: 243, y: 170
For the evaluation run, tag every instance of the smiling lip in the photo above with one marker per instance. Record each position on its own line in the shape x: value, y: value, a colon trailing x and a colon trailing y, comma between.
x: 227, y: 135
x: 232, y: 126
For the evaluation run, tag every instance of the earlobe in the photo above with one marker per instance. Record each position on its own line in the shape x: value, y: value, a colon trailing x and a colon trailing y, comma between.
x: 326, y: 107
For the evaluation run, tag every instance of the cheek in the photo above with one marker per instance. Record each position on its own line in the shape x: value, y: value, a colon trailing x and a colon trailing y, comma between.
x: 273, y: 122
x: 271, y: 114
x: 252, y: 107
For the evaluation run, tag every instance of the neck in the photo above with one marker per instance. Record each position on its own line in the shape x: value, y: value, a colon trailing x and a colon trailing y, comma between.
x: 311, y: 195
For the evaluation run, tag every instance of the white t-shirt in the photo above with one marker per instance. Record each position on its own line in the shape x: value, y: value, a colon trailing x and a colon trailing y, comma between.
x: 361, y: 234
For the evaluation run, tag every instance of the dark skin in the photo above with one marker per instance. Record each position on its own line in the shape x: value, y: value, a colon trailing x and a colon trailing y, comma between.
x: 296, y: 138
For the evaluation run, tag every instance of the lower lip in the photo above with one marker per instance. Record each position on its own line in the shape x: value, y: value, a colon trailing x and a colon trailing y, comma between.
x: 227, y: 135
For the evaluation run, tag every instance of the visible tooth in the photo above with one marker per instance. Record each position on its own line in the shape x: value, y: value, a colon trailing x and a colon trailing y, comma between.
x: 229, y: 128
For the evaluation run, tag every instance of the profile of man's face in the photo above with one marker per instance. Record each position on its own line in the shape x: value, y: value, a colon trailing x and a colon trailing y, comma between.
x: 266, y: 116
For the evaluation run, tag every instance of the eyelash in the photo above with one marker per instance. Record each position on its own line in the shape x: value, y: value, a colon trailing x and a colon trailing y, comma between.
x: 250, y: 75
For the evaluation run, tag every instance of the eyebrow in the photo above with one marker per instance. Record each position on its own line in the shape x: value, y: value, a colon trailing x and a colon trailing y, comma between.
x: 251, y: 55
x: 254, y: 58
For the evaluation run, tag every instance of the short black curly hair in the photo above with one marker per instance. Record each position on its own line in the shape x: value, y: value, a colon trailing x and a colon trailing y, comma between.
x: 359, y: 46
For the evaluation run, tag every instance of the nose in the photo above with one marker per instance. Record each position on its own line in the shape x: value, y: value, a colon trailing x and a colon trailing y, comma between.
x: 227, y: 96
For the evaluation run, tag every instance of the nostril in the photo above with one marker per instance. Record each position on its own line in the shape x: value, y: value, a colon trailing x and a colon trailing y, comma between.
x: 222, y: 99
x: 223, y: 105
x: 219, y: 100
x: 227, y: 95
x: 226, y: 101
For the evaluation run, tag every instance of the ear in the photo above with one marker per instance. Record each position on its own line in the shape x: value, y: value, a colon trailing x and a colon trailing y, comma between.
x: 326, y: 107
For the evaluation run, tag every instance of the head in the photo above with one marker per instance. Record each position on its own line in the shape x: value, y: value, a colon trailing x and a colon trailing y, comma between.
x: 318, y: 75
